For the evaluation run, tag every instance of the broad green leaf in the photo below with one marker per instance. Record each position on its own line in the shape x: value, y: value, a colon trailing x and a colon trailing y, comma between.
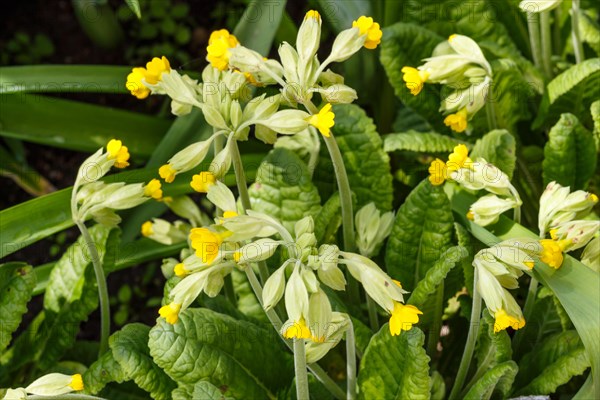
x: 183, y: 392
x: 589, y: 30
x: 570, y: 154
x: 23, y: 175
x: 17, y: 281
x: 71, y: 295
x: 465, y: 240
x: 367, y: 165
x: 408, y: 120
x: 283, y: 188
x: 102, y: 372
x: 247, y: 302
x: 207, y: 391
x: 406, y: 45
x: 560, y: 372
x: 572, y: 91
x: 595, y: 111
x: 63, y: 78
x: 426, y: 287
x: 134, y: 5
x: 79, y: 126
x: 395, y: 367
x: 423, y: 142
x: 438, y: 386
x: 497, y: 380
x: 129, y: 347
x: 341, y: 13
x: 204, y: 345
x: 544, y: 354
x: 258, y: 25
x: 585, y: 315
x: 499, y: 148
x: 328, y: 220
x: 421, y: 233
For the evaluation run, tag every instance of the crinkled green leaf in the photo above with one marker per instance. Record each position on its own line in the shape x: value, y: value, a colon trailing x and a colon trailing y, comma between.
x: 570, y: 154
x: 544, y: 354
x: 183, y: 392
x: 204, y: 345
x: 465, y: 240
x: 424, y: 142
x: 406, y: 45
x: 207, y: 391
x: 367, y: 165
x: 17, y: 281
x: 589, y: 30
x: 130, y: 349
x: 595, y: 110
x: 283, y: 188
x: 408, y: 119
x: 558, y: 373
x: 395, y: 367
x: 499, y: 148
x: 421, y: 233
x: 102, y: 372
x: 328, y: 220
x: 426, y: 287
x: 498, y: 379
x: 572, y: 91
x: 438, y: 386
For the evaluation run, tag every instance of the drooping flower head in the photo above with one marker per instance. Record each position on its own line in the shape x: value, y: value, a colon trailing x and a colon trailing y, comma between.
x: 206, y: 243
x: 403, y: 317
x: 116, y: 151
x: 552, y: 252
x: 219, y: 44
x: 155, y: 69
x: 170, y: 312
x: 503, y: 320
x: 324, y: 120
x: 415, y: 79
x: 438, y: 172
x: 459, y: 158
x: 202, y: 181
x: 457, y: 121
x: 371, y: 29
x: 153, y: 189
x: 135, y: 85
x: 167, y: 172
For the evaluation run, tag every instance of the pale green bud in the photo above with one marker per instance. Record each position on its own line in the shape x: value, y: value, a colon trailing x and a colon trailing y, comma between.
x: 305, y: 225
x: 591, y: 254
x: 221, y: 196
x: 214, y: 282
x: 181, y: 89
x: 93, y: 168
x: 106, y: 217
x: 371, y: 229
x: 287, y: 122
x: 468, y: 48
x: 346, y: 44
x: 245, y: 227
x: 168, y: 233
x: 259, y: 250
x: 261, y: 107
x: 332, y: 277
x: 235, y: 114
x: 54, y: 385
x: 15, y: 394
x: 180, y: 109
x: 558, y: 206
x: 310, y: 280
x: 296, y: 296
x: 489, y: 288
x: 289, y: 60
x: 126, y: 197
x: 578, y: 233
x: 329, y: 77
x: 483, y: 176
x: 213, y: 116
x: 309, y: 36
x: 191, y: 156
x: 319, y: 315
x: 222, y: 161
x: 185, y: 207
x: 274, y: 288
x: 168, y: 266
x: 487, y: 209
x: 265, y: 134
x: 338, y: 94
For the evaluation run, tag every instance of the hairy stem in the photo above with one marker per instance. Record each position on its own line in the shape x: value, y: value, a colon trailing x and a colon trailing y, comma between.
x: 546, y: 43
x: 373, y: 317
x: 350, y: 362
x: 533, y: 25
x: 300, y: 370
x: 577, y: 45
x: 465, y: 361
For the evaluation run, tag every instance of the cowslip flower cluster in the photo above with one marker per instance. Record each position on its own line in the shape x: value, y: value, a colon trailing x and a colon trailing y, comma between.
x: 459, y: 64
x: 477, y: 175
x: 48, y: 385
x: 372, y: 228
x: 563, y: 215
x: 98, y: 200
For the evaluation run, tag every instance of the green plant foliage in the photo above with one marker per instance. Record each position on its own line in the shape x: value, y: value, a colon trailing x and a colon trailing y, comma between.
x: 499, y: 148
x: 424, y: 142
x: 204, y: 345
x: 492, y: 348
x: 595, y: 110
x: 328, y: 220
x: 102, y: 372
x: 395, y: 367
x: 570, y: 154
x: 17, y: 281
x: 366, y: 163
x: 134, y: 6
x: 421, y: 233
x: 283, y: 188
x: 497, y: 380
x: 208, y: 391
x: 572, y: 91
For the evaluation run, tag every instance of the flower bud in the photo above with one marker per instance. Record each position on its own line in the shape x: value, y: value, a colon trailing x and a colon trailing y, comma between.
x: 591, y: 254
x: 185, y: 207
x: 487, y: 209
x: 164, y: 232
x: 296, y: 296
x: 191, y: 156
x: 319, y: 315
x: 576, y: 233
x: 55, y: 385
x: 289, y: 60
x: 287, y: 122
x: 259, y: 250
x: 346, y: 44
x: 274, y: 288
x: 309, y: 36
x: 338, y: 94
x: 371, y: 229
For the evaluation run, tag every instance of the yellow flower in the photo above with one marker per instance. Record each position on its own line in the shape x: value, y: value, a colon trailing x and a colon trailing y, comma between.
x: 459, y: 158
x: 551, y: 253
x: 170, y: 312
x: 147, y: 229
x: 118, y: 152
x: 457, y: 122
x: 403, y: 317
x: 298, y: 330
x: 155, y: 68
x: 180, y: 270
x: 76, y: 382
x: 202, y: 181
x: 153, y: 189
x: 368, y: 27
x: 504, y: 320
x: 438, y: 172
x: 230, y: 214
x: 167, y: 173
x: 219, y: 44
x: 134, y: 83
x: 313, y: 14
x: 593, y: 197
x: 414, y: 79
x: 206, y: 243
x: 324, y: 120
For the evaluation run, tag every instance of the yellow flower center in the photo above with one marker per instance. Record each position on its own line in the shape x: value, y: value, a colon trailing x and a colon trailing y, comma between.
x: 153, y: 189
x: 116, y: 151
x: 457, y: 122
x: 414, y: 79
x: 552, y: 252
x: 155, y: 69
x: 203, y: 181
x: 147, y: 229
x: 438, y: 172
x: 459, y: 158
x: 134, y: 83
x: 371, y: 29
x: 298, y: 330
x: 76, y: 382
x: 403, y: 317
x: 504, y: 320
x: 219, y: 44
x: 206, y: 243
x: 324, y: 120
x: 167, y: 173
x: 170, y: 312
x: 180, y: 270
